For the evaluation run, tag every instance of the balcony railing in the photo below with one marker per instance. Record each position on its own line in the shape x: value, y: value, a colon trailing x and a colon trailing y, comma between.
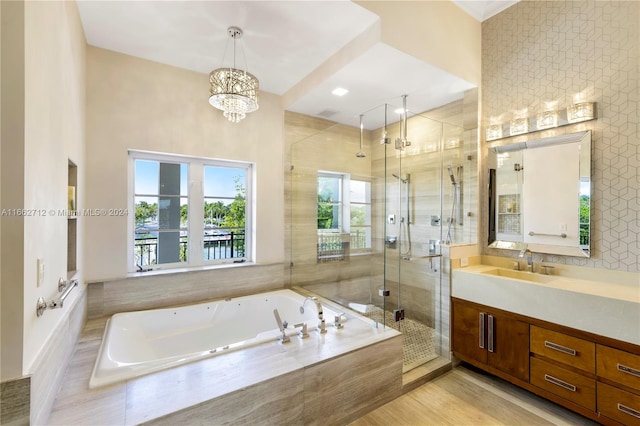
x: 337, y: 246
x: 215, y: 247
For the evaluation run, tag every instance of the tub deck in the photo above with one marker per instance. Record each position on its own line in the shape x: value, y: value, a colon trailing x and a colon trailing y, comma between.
x: 324, y: 379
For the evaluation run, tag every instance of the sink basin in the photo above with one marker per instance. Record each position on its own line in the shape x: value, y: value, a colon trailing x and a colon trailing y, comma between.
x: 519, y: 275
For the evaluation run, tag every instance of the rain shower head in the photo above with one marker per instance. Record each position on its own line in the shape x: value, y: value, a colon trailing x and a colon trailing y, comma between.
x: 453, y: 179
x: 361, y: 154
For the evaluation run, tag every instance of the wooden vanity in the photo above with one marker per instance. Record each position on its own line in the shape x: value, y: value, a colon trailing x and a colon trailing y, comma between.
x: 595, y: 375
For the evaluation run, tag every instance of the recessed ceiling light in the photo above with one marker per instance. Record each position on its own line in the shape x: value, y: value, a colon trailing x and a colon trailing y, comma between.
x: 399, y: 111
x: 339, y: 91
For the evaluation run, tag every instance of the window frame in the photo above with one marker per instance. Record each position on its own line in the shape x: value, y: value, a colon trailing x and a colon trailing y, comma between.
x: 345, y: 207
x: 195, y: 196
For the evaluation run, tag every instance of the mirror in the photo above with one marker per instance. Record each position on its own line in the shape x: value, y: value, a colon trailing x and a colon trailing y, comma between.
x: 540, y: 195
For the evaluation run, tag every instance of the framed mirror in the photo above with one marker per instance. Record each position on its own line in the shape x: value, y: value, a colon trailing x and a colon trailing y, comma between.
x: 540, y: 195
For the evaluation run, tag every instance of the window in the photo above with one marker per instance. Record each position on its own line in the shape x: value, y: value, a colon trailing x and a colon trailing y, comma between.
x: 344, y: 216
x: 188, y: 211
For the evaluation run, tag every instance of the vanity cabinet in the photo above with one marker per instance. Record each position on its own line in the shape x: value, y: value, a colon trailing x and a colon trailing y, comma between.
x: 618, y: 394
x: 491, y: 338
x: 595, y: 376
x: 564, y: 365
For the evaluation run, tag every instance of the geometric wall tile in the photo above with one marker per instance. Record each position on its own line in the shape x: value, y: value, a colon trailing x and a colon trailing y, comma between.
x: 537, y: 51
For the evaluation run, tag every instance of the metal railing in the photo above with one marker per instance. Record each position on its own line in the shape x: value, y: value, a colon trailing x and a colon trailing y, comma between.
x: 216, y: 247
x: 337, y: 246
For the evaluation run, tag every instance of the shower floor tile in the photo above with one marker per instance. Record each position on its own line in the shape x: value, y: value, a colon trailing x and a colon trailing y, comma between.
x: 418, y: 339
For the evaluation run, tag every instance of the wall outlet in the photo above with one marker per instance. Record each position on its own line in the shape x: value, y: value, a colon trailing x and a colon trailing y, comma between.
x: 464, y: 262
x: 40, y: 280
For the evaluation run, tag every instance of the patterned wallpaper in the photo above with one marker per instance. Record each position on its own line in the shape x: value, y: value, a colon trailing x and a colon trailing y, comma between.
x: 540, y: 51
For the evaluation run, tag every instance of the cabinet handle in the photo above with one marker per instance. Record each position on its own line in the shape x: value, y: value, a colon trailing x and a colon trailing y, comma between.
x: 490, y: 337
x: 560, y: 348
x: 560, y: 383
x: 481, y: 333
x: 629, y: 370
x: 629, y: 411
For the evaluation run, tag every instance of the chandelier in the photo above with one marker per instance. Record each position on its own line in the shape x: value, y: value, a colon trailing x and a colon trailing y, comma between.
x: 231, y: 90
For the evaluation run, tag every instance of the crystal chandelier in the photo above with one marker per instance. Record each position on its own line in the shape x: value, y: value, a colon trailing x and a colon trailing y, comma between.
x: 232, y: 90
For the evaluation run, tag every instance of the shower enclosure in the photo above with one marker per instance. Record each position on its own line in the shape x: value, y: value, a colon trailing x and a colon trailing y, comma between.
x: 369, y: 212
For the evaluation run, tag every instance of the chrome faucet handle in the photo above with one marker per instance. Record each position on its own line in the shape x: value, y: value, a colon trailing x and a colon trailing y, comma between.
x: 322, y: 328
x: 284, y: 338
x: 303, y: 330
x: 546, y: 268
x: 337, y: 320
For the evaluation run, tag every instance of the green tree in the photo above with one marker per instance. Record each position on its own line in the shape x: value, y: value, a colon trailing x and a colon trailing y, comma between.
x: 235, y: 217
x: 145, y: 212
x: 325, y: 212
x: 214, y: 213
x: 184, y: 214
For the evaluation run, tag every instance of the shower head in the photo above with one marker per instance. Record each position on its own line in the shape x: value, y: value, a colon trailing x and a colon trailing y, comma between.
x: 361, y: 154
x: 453, y: 179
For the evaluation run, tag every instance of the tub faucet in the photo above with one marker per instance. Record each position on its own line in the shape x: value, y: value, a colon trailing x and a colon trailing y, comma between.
x: 282, y: 326
x: 321, y: 323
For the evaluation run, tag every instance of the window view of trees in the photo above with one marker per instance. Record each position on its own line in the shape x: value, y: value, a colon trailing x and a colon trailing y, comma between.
x: 166, y: 213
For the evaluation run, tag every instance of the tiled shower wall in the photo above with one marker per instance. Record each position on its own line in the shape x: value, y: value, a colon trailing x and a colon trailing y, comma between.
x: 537, y: 51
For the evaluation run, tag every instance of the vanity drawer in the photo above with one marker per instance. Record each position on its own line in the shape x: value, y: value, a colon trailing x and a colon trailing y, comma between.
x: 564, y: 383
x: 619, y: 405
x: 560, y: 347
x: 618, y: 366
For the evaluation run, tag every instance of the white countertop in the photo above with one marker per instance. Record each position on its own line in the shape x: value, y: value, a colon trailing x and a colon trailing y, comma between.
x: 604, y: 308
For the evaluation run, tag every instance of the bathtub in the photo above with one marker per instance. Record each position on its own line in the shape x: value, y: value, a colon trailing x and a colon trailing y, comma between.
x: 139, y: 343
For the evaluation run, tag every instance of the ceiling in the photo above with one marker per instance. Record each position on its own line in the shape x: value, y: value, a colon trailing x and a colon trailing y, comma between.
x: 283, y: 43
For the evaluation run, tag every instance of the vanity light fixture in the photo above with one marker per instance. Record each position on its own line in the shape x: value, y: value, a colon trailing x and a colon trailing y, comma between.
x: 551, y: 117
x: 232, y: 90
x: 494, y: 130
x: 548, y: 118
x: 582, y: 111
x: 520, y: 123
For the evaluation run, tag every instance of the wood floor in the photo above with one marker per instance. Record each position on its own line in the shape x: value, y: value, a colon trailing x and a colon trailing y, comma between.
x: 464, y: 396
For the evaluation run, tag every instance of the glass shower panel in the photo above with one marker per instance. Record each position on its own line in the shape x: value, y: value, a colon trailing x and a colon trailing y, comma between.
x: 414, y: 181
x: 333, y: 243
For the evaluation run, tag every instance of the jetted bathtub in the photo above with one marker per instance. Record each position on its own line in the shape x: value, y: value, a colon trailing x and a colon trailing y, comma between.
x: 138, y: 343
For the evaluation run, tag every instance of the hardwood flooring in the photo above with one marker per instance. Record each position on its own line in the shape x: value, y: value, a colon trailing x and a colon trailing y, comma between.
x: 465, y: 396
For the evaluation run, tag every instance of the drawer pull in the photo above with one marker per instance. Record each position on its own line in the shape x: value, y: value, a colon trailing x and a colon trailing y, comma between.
x: 629, y: 411
x: 560, y: 383
x: 629, y: 370
x: 481, y: 331
x: 560, y: 348
x: 490, y: 334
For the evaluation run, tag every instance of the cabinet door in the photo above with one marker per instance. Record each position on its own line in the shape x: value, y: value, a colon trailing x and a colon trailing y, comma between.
x: 508, y: 346
x: 469, y: 332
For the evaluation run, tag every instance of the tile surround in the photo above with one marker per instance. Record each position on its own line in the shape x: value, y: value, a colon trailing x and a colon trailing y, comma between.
x: 159, y: 290
x: 15, y: 401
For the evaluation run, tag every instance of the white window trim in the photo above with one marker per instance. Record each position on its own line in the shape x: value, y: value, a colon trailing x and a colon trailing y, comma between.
x: 345, y: 196
x: 195, y: 196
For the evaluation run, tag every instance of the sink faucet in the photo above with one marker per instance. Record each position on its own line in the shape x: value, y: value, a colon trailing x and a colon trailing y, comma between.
x: 526, y: 252
x: 321, y: 323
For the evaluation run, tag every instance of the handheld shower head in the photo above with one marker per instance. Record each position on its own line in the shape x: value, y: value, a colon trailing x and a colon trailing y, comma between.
x: 453, y: 179
x: 400, y: 178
